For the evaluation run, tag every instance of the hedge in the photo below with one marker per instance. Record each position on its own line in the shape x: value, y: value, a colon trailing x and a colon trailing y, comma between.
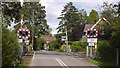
x: 78, y: 46
x: 39, y: 43
x: 106, y: 51
x: 10, y: 51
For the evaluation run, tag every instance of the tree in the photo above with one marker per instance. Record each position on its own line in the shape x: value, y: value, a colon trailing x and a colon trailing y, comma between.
x: 93, y: 17
x: 34, y: 11
x: 116, y: 34
x: 118, y: 8
x: 10, y: 48
x: 10, y: 10
x: 112, y: 15
x: 30, y: 10
x: 39, y: 42
x: 70, y: 17
x: 83, y: 16
x: 108, y: 12
x: 77, y: 32
x: 78, y: 29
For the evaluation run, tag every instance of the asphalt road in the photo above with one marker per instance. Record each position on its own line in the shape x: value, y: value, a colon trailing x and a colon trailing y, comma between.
x: 49, y: 59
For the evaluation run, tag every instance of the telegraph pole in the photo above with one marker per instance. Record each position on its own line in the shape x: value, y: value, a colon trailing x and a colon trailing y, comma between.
x: 117, y: 58
x: 21, y: 28
x: 33, y: 30
x: 67, y: 49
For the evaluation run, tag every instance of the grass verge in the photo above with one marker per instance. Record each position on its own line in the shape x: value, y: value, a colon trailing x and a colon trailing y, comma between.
x: 26, y: 61
x: 103, y: 64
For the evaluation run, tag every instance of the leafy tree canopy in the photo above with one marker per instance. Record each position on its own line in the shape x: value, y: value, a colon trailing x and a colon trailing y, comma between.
x: 93, y: 17
x: 70, y: 18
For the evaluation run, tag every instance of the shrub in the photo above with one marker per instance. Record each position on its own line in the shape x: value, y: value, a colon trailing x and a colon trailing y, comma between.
x: 105, y: 51
x: 10, y: 52
x: 39, y: 43
x: 62, y: 48
x: 78, y: 46
x: 55, y: 45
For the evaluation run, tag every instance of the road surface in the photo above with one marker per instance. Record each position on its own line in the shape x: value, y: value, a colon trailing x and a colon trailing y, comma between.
x: 49, y: 59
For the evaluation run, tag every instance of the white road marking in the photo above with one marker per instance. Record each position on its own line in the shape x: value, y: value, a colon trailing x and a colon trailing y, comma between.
x: 34, y: 55
x: 58, y: 61
x: 61, y: 62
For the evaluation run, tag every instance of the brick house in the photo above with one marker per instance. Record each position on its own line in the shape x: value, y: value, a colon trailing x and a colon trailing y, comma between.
x: 98, y: 25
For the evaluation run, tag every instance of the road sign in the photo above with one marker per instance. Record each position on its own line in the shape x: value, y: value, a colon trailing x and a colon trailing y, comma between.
x: 20, y: 40
x: 91, y: 44
x: 92, y: 40
x: 27, y: 42
x: 63, y: 38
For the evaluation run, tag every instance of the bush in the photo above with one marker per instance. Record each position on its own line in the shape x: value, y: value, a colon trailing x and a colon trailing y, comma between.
x: 39, y: 43
x: 105, y: 51
x: 62, y: 48
x: 55, y: 45
x: 79, y: 46
x: 10, y: 52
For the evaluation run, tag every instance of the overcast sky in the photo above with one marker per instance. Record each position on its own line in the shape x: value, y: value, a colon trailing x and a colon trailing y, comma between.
x: 54, y: 7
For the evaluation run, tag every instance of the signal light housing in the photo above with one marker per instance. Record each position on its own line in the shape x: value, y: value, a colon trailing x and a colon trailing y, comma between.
x: 23, y: 33
x: 91, y: 33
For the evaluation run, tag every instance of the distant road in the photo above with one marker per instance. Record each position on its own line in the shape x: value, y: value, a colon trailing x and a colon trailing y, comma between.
x: 49, y: 59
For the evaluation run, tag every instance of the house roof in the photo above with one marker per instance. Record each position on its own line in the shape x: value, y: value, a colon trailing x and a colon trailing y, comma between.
x: 99, y: 22
x: 92, y: 26
x: 88, y: 26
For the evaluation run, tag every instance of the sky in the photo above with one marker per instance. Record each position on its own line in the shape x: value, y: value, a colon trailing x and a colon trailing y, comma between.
x: 54, y: 7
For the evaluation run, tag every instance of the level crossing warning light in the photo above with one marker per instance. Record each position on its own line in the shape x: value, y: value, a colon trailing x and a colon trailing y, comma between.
x: 23, y: 33
x: 91, y: 33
